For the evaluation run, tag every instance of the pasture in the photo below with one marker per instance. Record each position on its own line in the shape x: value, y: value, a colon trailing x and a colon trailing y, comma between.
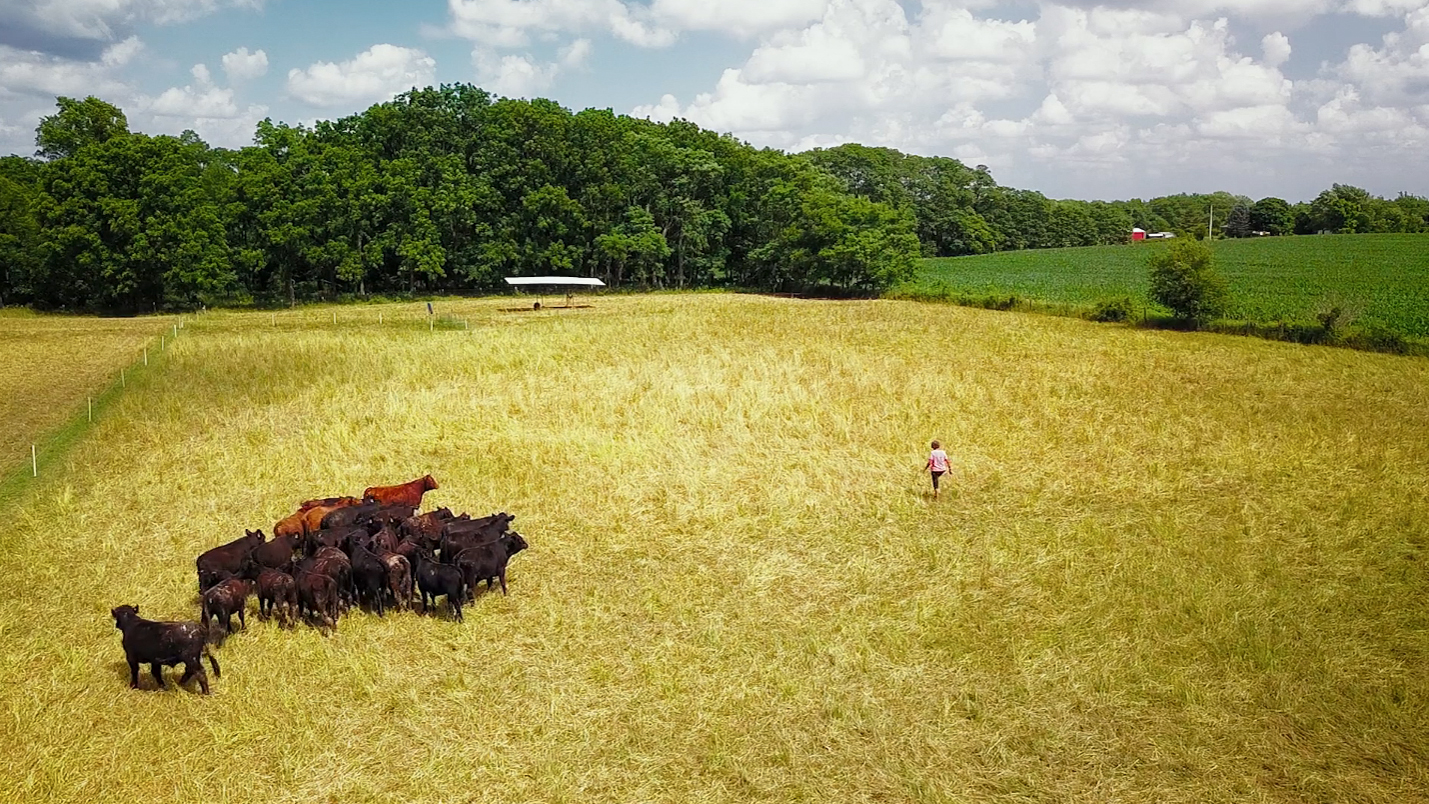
x: 1382, y: 278
x: 1166, y: 567
x: 51, y: 364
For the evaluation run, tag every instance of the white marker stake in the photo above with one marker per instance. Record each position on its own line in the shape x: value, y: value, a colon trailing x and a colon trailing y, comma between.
x: 34, y: 463
x: 334, y: 316
x: 379, y: 318
x: 161, y: 343
x: 91, y: 410
x: 122, y: 383
x: 176, y: 330
x: 146, y: 355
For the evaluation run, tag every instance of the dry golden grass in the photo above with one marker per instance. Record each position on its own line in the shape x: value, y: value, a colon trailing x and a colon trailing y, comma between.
x: 51, y: 363
x: 1172, y: 567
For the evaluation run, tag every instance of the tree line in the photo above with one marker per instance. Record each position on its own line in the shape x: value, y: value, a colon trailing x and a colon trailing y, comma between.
x: 961, y: 210
x: 450, y: 189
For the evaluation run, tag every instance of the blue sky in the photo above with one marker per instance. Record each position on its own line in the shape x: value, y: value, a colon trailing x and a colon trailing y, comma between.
x: 1075, y: 98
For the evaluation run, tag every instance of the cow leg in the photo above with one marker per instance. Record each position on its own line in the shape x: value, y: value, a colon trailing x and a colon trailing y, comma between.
x: 243, y: 620
x: 196, y: 669
x: 455, y: 600
x: 503, y: 581
x: 157, y: 670
x: 133, y: 675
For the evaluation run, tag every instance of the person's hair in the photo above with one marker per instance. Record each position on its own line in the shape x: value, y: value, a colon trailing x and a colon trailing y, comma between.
x: 936, y: 445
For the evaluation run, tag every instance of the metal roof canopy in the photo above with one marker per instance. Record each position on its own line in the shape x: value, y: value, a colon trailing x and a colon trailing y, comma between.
x: 555, y: 280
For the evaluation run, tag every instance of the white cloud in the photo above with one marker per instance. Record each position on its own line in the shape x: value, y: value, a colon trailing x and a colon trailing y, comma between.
x: 201, y: 74
x: 737, y: 17
x: 575, y: 54
x: 1276, y: 48
x: 188, y: 101
x: 514, y: 76
x: 27, y: 72
x: 508, y: 23
x: 240, y: 65
x: 51, y: 21
x: 1157, y: 87
x: 374, y: 75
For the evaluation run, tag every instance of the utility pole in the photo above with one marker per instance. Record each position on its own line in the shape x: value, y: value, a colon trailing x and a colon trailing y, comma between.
x: 1210, y: 224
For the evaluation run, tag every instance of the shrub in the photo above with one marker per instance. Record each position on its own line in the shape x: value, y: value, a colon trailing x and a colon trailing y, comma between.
x: 1185, y: 281
x: 1112, y: 310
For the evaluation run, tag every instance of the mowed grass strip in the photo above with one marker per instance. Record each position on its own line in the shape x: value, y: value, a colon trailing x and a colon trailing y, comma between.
x: 1171, y: 567
x: 51, y: 364
x: 1382, y: 279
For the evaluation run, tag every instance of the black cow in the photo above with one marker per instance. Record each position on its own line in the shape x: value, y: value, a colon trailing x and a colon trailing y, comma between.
x: 487, y: 562
x: 276, y: 553
x: 225, y: 599
x: 369, y: 577
x: 226, y: 558
x: 317, y: 596
x: 163, y: 644
x: 277, y: 591
x: 435, y: 579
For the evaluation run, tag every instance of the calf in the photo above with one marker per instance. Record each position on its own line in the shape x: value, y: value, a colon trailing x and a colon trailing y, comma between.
x: 317, y: 596
x: 369, y: 577
x: 333, y: 563
x: 399, y: 577
x: 408, y: 494
x: 163, y: 644
x: 435, y: 579
x: 226, y: 558
x: 488, y: 561
x: 225, y: 599
x: 277, y: 591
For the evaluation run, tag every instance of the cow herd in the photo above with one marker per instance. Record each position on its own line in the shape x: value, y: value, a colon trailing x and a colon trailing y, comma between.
x: 332, y: 554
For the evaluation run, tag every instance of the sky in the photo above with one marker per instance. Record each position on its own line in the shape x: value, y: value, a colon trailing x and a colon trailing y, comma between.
x: 1093, y: 99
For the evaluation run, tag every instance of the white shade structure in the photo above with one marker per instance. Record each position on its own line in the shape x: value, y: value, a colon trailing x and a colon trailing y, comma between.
x: 588, y: 281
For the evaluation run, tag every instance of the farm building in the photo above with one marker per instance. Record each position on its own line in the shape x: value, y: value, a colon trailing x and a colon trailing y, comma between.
x: 1138, y: 234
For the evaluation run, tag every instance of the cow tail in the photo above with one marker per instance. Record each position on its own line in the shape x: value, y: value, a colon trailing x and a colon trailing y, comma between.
x: 213, y: 662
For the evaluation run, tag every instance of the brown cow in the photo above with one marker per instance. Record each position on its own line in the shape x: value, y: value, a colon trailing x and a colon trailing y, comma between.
x: 289, y: 526
x: 408, y: 494
x: 313, y: 517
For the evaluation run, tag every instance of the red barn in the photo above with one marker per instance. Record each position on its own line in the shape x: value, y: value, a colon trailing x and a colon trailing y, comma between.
x: 1138, y: 234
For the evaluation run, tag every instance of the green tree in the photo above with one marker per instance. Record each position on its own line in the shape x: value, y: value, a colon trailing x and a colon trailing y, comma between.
x: 1185, y: 281
x: 19, y: 241
x: 1238, y: 222
x: 78, y: 123
x: 1272, y: 215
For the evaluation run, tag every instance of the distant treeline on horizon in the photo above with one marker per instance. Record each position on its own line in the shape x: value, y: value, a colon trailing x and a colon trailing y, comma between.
x: 450, y: 188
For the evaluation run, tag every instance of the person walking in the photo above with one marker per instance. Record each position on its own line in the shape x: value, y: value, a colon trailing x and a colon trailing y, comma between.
x: 937, y: 465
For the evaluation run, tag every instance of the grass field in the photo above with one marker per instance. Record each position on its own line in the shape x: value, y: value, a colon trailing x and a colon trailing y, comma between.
x: 51, y: 363
x: 1173, y: 567
x: 1384, y: 277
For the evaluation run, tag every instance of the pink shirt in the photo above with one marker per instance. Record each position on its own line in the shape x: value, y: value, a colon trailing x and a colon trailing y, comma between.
x: 938, y: 461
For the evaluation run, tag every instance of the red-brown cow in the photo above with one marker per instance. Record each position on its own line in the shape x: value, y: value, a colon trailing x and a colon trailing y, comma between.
x: 408, y: 494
